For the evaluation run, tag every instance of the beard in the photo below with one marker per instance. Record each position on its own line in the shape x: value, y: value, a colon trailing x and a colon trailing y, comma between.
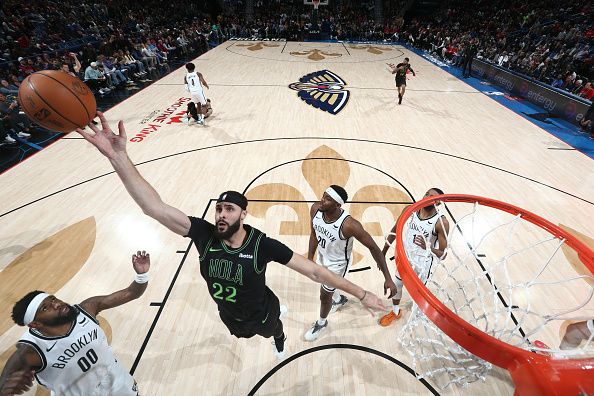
x: 69, y: 317
x: 231, y: 229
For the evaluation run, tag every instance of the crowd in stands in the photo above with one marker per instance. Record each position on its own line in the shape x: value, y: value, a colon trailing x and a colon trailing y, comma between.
x: 546, y: 40
x: 116, y: 45
x: 108, y: 45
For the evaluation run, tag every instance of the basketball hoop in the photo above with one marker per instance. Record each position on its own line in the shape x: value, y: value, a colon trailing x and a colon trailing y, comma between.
x: 316, y: 4
x: 491, y: 307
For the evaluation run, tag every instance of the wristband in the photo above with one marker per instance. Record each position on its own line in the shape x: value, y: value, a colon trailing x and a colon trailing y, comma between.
x: 141, y: 278
x: 364, y: 294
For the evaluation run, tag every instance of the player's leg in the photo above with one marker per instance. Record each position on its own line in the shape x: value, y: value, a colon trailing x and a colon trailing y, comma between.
x: 200, y: 100
x: 272, y: 326
x: 402, y: 90
x: 325, y: 306
x: 338, y: 301
x: 193, y: 111
x: 395, y: 313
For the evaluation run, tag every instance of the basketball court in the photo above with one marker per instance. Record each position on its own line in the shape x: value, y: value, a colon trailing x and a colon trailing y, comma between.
x: 289, y: 119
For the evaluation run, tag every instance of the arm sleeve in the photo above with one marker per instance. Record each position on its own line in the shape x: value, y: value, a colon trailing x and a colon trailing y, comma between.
x: 273, y: 250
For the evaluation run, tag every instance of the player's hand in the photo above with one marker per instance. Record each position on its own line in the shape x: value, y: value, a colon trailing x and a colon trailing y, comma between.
x: 17, y: 383
x: 141, y: 261
x: 420, y: 241
x: 390, y: 285
x: 106, y: 141
x: 373, y: 303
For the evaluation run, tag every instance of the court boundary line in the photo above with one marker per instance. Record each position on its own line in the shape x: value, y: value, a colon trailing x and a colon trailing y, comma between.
x: 341, y: 346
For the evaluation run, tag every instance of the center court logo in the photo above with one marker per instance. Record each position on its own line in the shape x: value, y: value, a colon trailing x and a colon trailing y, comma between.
x: 323, y: 90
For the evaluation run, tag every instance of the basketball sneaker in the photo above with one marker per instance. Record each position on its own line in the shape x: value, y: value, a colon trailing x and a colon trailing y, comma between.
x: 337, y: 305
x: 278, y: 346
x: 387, y: 319
x: 315, y: 331
x: 283, y: 311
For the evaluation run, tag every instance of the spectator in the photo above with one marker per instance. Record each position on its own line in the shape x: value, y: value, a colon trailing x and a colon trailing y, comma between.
x: 95, y: 78
x: 19, y: 123
x: 587, y: 91
x: 8, y: 89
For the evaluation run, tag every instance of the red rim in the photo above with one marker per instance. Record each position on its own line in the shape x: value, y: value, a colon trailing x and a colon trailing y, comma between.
x: 519, y: 362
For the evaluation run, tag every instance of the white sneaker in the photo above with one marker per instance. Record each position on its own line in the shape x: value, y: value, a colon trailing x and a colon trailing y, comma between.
x: 337, y: 305
x: 9, y: 140
x: 283, y: 311
x: 280, y: 356
x: 23, y: 135
x: 315, y: 331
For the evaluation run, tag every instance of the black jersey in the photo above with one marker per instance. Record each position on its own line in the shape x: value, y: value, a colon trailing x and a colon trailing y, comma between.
x: 236, y: 278
x: 401, y: 69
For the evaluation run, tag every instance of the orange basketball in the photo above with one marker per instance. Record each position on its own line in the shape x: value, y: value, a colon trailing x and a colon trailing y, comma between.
x: 57, y: 101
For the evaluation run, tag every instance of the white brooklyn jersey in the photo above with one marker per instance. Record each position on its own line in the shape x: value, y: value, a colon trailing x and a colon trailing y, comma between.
x: 426, y: 228
x: 194, y: 84
x: 333, y: 247
x: 80, y: 362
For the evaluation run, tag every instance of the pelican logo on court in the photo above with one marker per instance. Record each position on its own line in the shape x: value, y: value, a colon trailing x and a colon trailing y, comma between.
x: 323, y: 90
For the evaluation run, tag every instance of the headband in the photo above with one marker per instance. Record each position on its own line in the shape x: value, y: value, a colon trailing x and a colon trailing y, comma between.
x: 234, y: 197
x: 33, y: 307
x: 334, y: 195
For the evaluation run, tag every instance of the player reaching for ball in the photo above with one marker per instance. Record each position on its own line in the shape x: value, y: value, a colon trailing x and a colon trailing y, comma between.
x: 233, y: 255
x: 425, y: 240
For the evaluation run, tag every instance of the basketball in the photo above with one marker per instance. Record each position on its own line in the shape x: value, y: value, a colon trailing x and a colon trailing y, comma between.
x: 57, y: 101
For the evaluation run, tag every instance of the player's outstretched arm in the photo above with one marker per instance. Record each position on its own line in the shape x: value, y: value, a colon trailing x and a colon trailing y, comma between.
x: 17, y: 375
x: 354, y: 228
x: 113, y: 147
x: 313, y: 242
x: 141, y: 262
x: 321, y: 275
x: 202, y: 80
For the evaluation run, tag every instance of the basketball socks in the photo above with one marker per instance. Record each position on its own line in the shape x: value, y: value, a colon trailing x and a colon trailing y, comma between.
x: 336, y: 297
x: 279, y: 342
x: 322, y: 321
x: 396, y: 309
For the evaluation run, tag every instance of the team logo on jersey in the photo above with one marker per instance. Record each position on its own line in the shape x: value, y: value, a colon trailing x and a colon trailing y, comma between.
x: 323, y: 90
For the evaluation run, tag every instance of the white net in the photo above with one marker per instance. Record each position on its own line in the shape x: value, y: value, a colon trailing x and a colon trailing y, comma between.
x: 507, y: 277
